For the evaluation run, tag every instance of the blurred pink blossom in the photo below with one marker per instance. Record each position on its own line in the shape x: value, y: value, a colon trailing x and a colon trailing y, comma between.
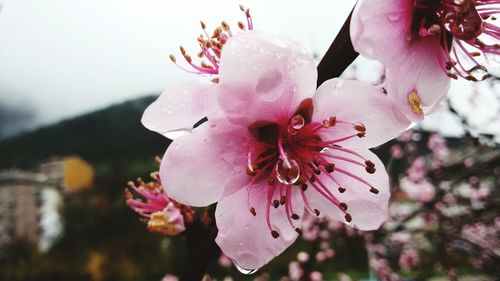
x: 421, y: 191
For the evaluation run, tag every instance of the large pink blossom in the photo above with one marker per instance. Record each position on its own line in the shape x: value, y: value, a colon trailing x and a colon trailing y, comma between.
x: 424, y: 42
x: 273, y: 147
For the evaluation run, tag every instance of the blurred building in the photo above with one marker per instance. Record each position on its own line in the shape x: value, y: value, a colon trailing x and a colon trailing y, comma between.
x: 19, y: 205
x: 30, y: 201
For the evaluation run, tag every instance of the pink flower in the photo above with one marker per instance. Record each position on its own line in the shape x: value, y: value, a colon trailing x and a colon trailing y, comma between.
x: 423, y: 43
x: 409, y: 258
x: 274, y: 147
x: 421, y: 191
x: 162, y: 214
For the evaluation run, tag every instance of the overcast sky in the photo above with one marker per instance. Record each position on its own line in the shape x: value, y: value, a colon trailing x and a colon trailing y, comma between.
x: 66, y: 57
x: 63, y: 58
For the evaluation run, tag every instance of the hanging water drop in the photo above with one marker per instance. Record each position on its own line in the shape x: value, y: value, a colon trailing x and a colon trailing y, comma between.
x: 244, y: 270
x: 287, y: 172
x: 297, y: 122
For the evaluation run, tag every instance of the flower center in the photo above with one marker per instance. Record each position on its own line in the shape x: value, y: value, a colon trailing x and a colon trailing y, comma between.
x: 458, y: 17
x: 461, y: 22
x: 293, y: 154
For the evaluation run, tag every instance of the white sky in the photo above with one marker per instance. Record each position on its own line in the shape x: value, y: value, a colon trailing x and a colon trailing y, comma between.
x: 66, y: 57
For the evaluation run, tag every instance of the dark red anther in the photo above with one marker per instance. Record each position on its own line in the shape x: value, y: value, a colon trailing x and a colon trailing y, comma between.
x: 341, y: 189
x: 276, y: 203
x: 252, y: 210
x: 348, y: 217
x: 343, y: 206
x: 373, y: 190
x: 275, y: 234
x: 330, y: 167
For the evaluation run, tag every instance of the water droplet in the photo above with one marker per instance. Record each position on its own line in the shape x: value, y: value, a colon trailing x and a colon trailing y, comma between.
x: 176, y: 133
x: 394, y: 16
x: 244, y: 270
x: 287, y: 172
x: 297, y: 122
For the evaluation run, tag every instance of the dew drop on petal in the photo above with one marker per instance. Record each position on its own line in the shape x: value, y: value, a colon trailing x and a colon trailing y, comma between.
x: 244, y: 270
x: 394, y: 16
x: 287, y: 172
x: 297, y: 122
x: 173, y: 134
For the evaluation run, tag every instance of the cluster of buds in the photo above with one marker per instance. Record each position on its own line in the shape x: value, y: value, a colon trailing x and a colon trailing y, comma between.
x: 162, y: 214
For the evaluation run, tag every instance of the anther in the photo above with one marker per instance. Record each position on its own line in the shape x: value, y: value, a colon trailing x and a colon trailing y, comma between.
x: 303, y: 187
x: 275, y: 234
x: 295, y: 216
x: 203, y: 26
x: 282, y: 200
x: 183, y: 51
x: 276, y: 203
x: 373, y: 190
x: 172, y: 58
x: 241, y: 25
x: 330, y: 122
x: 316, y: 212
x: 341, y: 189
x: 343, y: 206
x: 348, y: 217
x: 330, y: 167
x: 370, y: 167
x: 360, y: 127
x: 252, y: 210
x: 361, y: 134
x: 298, y: 230
x: 225, y: 26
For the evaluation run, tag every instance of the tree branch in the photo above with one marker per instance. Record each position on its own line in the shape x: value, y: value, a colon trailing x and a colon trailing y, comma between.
x: 339, y: 56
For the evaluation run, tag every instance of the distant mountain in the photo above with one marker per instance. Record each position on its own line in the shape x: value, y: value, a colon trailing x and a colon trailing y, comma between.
x: 113, y: 137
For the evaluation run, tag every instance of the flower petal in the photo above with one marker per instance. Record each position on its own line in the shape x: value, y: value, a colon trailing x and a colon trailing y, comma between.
x: 419, y: 74
x: 179, y: 107
x: 246, y: 238
x: 355, y: 101
x: 200, y: 168
x: 262, y: 75
x: 379, y: 28
x: 368, y: 210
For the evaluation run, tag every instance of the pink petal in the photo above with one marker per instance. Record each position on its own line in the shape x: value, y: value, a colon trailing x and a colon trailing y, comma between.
x: 368, y: 210
x: 179, y: 107
x: 246, y: 238
x: 355, y: 101
x: 262, y: 76
x: 420, y: 72
x: 379, y: 28
x: 201, y: 167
